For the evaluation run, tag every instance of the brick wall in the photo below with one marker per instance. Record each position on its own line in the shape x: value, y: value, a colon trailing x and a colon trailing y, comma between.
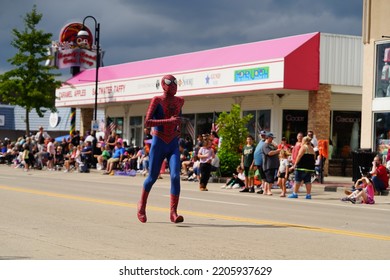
x: 319, y: 114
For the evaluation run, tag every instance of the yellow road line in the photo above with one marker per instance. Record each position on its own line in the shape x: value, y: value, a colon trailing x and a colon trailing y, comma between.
x: 200, y: 214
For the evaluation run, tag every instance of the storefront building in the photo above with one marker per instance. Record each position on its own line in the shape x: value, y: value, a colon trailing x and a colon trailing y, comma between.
x: 376, y: 73
x: 292, y: 84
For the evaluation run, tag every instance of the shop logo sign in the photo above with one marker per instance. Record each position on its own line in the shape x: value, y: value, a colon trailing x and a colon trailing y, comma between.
x: 212, y: 79
x: 252, y: 74
x: 185, y: 82
x: 73, y: 49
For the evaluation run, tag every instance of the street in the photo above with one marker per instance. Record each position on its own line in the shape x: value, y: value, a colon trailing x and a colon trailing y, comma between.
x: 76, y: 216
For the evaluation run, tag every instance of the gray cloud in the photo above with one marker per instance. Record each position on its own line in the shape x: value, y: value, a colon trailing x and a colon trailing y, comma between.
x: 137, y: 30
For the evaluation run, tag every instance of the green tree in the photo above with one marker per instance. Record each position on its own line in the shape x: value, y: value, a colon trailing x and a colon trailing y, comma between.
x: 31, y: 83
x: 233, y: 133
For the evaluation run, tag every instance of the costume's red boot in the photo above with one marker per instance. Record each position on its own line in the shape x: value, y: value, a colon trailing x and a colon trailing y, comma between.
x: 174, y: 203
x: 142, y: 206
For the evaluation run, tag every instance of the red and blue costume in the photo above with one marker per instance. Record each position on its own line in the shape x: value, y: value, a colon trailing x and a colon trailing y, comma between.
x: 164, y: 116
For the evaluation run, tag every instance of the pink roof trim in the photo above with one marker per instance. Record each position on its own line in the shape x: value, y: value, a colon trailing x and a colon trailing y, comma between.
x: 237, y: 54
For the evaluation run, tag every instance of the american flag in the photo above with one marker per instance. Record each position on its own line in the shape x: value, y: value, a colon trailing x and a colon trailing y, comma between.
x: 110, y: 127
x: 214, y: 125
x: 190, y: 129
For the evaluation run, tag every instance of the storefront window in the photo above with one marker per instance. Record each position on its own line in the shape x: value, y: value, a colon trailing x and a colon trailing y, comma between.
x: 382, y: 75
x: 261, y: 121
x: 136, y: 131
x: 382, y: 132
x: 345, y: 133
x: 294, y: 121
x: 251, y: 126
x: 204, y: 122
x: 119, y: 126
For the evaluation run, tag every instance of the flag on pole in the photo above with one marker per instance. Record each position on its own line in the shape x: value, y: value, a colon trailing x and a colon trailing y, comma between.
x: 190, y: 129
x: 110, y: 127
x: 214, y: 125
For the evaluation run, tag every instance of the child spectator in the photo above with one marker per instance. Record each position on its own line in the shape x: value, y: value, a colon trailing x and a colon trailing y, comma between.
x: 26, y: 157
x: 102, y: 159
x: 145, y: 159
x: 194, y: 171
x: 237, y: 181
x: 364, y: 192
x: 283, y: 171
x: 247, y: 163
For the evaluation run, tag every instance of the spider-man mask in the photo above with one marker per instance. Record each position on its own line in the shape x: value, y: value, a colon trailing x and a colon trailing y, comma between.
x: 169, y: 85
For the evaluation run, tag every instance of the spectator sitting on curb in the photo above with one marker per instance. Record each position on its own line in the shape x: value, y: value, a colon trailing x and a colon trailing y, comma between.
x: 364, y: 192
x: 380, y: 178
x: 237, y: 181
x: 116, y: 158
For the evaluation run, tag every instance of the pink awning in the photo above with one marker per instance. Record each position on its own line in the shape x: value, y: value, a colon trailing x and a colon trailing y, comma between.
x: 300, y: 54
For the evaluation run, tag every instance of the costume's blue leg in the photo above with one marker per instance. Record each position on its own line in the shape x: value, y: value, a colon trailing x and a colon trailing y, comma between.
x: 174, y: 168
x: 156, y: 157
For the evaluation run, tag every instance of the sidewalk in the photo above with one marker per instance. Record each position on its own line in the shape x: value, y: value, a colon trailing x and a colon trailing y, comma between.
x: 335, y: 183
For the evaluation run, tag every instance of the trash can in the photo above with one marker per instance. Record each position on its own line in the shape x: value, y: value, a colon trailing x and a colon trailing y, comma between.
x: 361, y: 162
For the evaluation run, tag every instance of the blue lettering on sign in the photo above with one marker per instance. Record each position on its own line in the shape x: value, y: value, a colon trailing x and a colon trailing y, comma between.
x: 247, y: 75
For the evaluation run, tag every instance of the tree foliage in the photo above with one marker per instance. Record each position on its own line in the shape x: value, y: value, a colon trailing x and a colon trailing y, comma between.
x: 233, y: 132
x: 31, y: 83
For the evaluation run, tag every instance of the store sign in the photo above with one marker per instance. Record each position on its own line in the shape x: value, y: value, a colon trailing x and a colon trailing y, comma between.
x: 202, y: 82
x: 73, y: 49
x: 252, y: 74
x: 347, y: 119
x: 213, y: 78
x: 294, y: 118
x: 76, y: 57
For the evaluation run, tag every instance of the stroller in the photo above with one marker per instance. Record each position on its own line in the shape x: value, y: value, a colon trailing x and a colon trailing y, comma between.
x: 84, y: 164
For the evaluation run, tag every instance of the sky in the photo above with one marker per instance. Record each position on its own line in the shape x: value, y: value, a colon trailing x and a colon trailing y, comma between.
x: 139, y: 30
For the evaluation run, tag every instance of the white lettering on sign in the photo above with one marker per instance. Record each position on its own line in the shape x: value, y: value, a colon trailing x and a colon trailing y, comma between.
x: 66, y: 94
x: 291, y: 118
x: 341, y: 119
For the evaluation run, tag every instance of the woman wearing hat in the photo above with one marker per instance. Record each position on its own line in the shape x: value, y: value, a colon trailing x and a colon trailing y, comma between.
x: 270, y: 162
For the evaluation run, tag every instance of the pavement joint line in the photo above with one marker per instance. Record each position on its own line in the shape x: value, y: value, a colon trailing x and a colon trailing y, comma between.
x: 202, y: 215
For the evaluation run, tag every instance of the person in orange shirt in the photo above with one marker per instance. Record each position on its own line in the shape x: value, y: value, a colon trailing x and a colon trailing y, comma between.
x: 297, y: 146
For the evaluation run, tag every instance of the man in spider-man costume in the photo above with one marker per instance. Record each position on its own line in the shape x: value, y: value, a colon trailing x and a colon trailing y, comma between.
x: 164, y: 116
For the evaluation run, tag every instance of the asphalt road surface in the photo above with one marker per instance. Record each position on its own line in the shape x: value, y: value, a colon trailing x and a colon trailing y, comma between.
x: 71, y: 216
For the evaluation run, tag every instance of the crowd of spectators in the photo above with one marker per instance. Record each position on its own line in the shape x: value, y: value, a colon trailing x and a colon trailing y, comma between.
x: 76, y: 153
x: 79, y: 153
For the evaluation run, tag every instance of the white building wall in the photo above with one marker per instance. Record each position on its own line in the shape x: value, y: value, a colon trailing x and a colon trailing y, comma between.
x: 341, y: 59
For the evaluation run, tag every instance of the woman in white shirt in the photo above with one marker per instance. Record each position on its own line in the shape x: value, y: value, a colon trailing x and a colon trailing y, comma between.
x: 205, y: 155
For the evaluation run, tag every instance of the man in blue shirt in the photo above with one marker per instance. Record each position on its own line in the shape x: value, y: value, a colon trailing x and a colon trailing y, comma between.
x: 258, y: 157
x: 116, y: 157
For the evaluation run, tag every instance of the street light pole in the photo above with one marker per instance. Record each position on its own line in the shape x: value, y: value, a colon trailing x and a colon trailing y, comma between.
x: 97, y: 39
